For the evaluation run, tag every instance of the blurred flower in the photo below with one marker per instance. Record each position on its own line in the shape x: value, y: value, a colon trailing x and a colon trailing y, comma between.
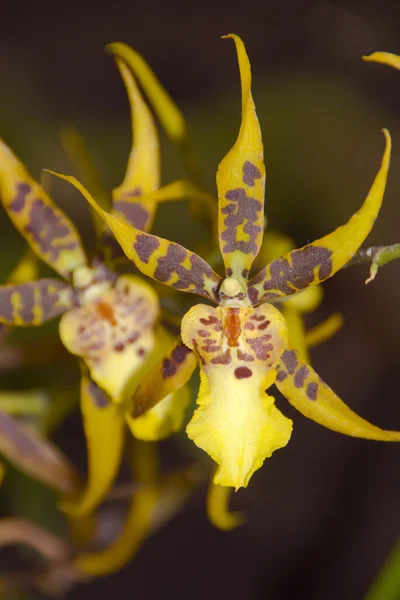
x: 27, y: 450
x: 110, y: 321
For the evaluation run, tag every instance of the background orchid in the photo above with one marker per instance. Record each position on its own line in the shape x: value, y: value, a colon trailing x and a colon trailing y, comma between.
x: 110, y: 320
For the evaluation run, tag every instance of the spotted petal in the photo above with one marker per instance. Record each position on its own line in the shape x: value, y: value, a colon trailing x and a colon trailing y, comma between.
x: 385, y: 58
x: 50, y: 233
x: 241, y: 183
x: 236, y: 422
x: 143, y: 170
x: 35, y: 456
x: 104, y: 425
x: 323, y: 258
x: 140, y: 211
x: 306, y: 391
x: 35, y: 302
x: 156, y: 257
x: 167, y: 111
x: 163, y: 379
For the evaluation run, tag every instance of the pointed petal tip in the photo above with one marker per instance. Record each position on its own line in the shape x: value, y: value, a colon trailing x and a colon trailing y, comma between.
x: 384, y: 58
x: 112, y: 47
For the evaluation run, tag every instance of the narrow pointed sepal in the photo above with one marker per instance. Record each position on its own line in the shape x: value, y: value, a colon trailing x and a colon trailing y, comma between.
x: 49, y: 232
x: 385, y: 58
x: 321, y: 259
x: 236, y: 422
x: 143, y: 170
x: 165, y: 108
x: 35, y: 302
x: 104, y: 425
x: 241, y: 185
x: 156, y: 257
x: 307, y: 392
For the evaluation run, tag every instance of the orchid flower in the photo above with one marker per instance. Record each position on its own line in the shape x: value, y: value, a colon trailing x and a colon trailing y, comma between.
x: 109, y: 320
x: 242, y: 346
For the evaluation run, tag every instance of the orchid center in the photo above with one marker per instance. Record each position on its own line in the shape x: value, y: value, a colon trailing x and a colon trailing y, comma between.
x: 233, y: 293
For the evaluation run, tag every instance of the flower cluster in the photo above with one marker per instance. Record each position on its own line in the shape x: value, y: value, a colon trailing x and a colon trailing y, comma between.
x: 134, y: 372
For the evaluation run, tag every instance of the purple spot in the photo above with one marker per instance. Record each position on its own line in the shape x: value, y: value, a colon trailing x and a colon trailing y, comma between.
x: 281, y: 376
x: 300, y: 376
x: 289, y: 359
x: 312, y: 390
x: 250, y: 173
x: 98, y: 396
x: 289, y: 277
x: 48, y: 226
x: 223, y: 359
x: 145, y: 245
x: 168, y: 368
x: 179, y: 354
x: 133, y: 212
x: 244, y: 356
x: 243, y: 372
x: 23, y: 190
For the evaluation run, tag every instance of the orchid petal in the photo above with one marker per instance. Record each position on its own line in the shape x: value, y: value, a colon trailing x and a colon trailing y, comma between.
x: 307, y: 392
x: 49, y: 232
x: 167, y: 111
x: 35, y: 302
x: 103, y: 422
x: 316, y: 262
x: 241, y: 183
x: 143, y: 170
x: 156, y: 257
x: 236, y: 422
x: 385, y: 58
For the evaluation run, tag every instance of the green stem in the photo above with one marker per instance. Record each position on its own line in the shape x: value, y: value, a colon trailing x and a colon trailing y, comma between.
x: 377, y: 256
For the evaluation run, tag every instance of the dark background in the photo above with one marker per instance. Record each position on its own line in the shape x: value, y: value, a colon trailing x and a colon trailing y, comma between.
x: 323, y: 513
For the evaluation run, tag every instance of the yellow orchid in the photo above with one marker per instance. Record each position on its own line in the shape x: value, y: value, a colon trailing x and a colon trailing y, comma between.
x: 242, y: 346
x: 110, y: 321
